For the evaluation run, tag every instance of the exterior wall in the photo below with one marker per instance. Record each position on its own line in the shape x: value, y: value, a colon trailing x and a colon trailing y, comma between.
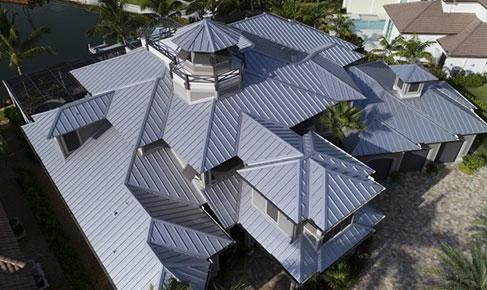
x: 467, y: 144
x: 473, y: 7
x: 396, y: 157
x: 371, y: 7
x: 475, y: 65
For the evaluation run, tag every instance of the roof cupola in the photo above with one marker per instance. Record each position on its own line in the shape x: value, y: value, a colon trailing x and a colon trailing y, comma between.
x: 210, y: 63
x: 410, y: 79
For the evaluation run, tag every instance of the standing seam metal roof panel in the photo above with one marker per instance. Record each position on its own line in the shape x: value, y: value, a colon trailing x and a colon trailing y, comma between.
x: 224, y: 199
x: 287, y: 32
x: 136, y: 66
x: 75, y: 115
x: 207, y: 36
x: 123, y: 250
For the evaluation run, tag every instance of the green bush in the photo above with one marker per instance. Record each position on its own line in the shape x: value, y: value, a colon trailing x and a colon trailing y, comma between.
x: 471, y: 163
x: 14, y: 116
x: 438, y: 72
x: 432, y: 169
x: 470, y: 80
x: 52, y: 230
x: 340, y: 276
x: 395, y: 176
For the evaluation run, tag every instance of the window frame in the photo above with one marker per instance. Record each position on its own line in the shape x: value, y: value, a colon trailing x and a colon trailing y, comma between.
x: 66, y: 151
x: 281, y: 217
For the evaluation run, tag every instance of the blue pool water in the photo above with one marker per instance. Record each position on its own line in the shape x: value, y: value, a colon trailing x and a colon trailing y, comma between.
x: 360, y: 24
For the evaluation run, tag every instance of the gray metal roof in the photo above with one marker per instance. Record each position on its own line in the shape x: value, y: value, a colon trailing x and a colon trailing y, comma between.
x: 316, y: 74
x: 91, y: 181
x: 206, y: 36
x: 160, y: 173
x: 224, y: 199
x: 394, y: 124
x: 298, y: 257
x: 290, y: 33
x: 412, y: 73
x: 188, y: 268
x: 258, y: 145
x: 81, y: 113
x: 136, y: 66
x: 311, y: 185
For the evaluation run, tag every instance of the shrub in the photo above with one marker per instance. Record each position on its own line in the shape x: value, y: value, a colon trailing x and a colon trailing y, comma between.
x: 14, y: 116
x: 432, y: 169
x: 395, y: 176
x: 52, y: 230
x: 340, y: 276
x: 438, y: 72
x: 471, y: 163
x: 468, y: 80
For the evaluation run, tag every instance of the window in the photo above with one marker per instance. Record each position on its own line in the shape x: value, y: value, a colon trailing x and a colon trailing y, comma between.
x: 272, y: 211
x: 337, y: 228
x: 389, y: 29
x: 399, y: 83
x: 312, y: 233
x: 71, y: 141
x: 414, y: 87
x: 267, y: 208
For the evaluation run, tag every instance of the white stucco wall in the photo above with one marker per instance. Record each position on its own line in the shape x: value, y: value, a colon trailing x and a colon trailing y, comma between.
x: 476, y: 65
x: 467, y: 144
x: 371, y: 7
x: 476, y: 8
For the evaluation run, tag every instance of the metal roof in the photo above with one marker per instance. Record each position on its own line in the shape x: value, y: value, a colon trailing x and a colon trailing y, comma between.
x: 224, y: 199
x: 206, y: 36
x: 260, y: 144
x: 160, y: 173
x: 80, y: 113
x: 136, y: 66
x: 115, y: 226
x: 311, y: 185
x: 298, y: 257
x: 287, y: 32
x: 394, y: 124
x: 317, y: 74
x: 412, y: 73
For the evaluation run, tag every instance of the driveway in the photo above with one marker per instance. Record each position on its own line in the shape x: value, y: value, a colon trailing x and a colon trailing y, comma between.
x: 421, y: 213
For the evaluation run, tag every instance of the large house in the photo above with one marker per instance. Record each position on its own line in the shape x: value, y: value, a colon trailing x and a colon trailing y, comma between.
x: 196, y: 133
x: 458, y: 28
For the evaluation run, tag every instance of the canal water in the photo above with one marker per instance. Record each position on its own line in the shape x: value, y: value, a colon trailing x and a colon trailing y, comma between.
x: 68, y: 38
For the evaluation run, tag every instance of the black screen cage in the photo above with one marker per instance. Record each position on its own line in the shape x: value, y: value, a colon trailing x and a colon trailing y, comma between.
x: 52, y: 87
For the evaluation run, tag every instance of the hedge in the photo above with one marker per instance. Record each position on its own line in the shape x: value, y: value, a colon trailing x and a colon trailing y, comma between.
x: 52, y: 230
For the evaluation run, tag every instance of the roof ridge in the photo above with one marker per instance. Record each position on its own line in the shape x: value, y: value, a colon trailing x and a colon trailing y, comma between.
x: 472, y: 26
x: 429, y: 3
x: 397, y: 100
x: 336, y: 77
x: 208, y: 134
x: 149, y: 106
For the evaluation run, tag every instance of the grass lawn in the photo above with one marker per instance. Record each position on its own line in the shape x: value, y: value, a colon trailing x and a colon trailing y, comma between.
x: 480, y: 92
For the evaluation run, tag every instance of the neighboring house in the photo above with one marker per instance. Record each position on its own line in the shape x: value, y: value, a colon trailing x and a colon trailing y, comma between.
x: 15, y: 271
x: 192, y: 134
x: 369, y: 18
x: 458, y: 28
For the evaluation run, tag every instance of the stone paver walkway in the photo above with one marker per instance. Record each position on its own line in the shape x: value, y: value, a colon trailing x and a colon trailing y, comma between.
x: 421, y: 214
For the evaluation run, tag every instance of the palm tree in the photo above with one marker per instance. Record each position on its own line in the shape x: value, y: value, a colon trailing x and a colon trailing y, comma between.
x: 163, y: 7
x: 387, y: 49
x: 338, y: 24
x: 460, y: 271
x: 202, y: 5
x: 173, y: 284
x: 339, y: 117
x: 413, y: 50
x: 480, y: 226
x: 16, y: 49
x: 116, y: 24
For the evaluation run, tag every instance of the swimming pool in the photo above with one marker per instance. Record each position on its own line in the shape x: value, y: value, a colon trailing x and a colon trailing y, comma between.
x: 361, y: 24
